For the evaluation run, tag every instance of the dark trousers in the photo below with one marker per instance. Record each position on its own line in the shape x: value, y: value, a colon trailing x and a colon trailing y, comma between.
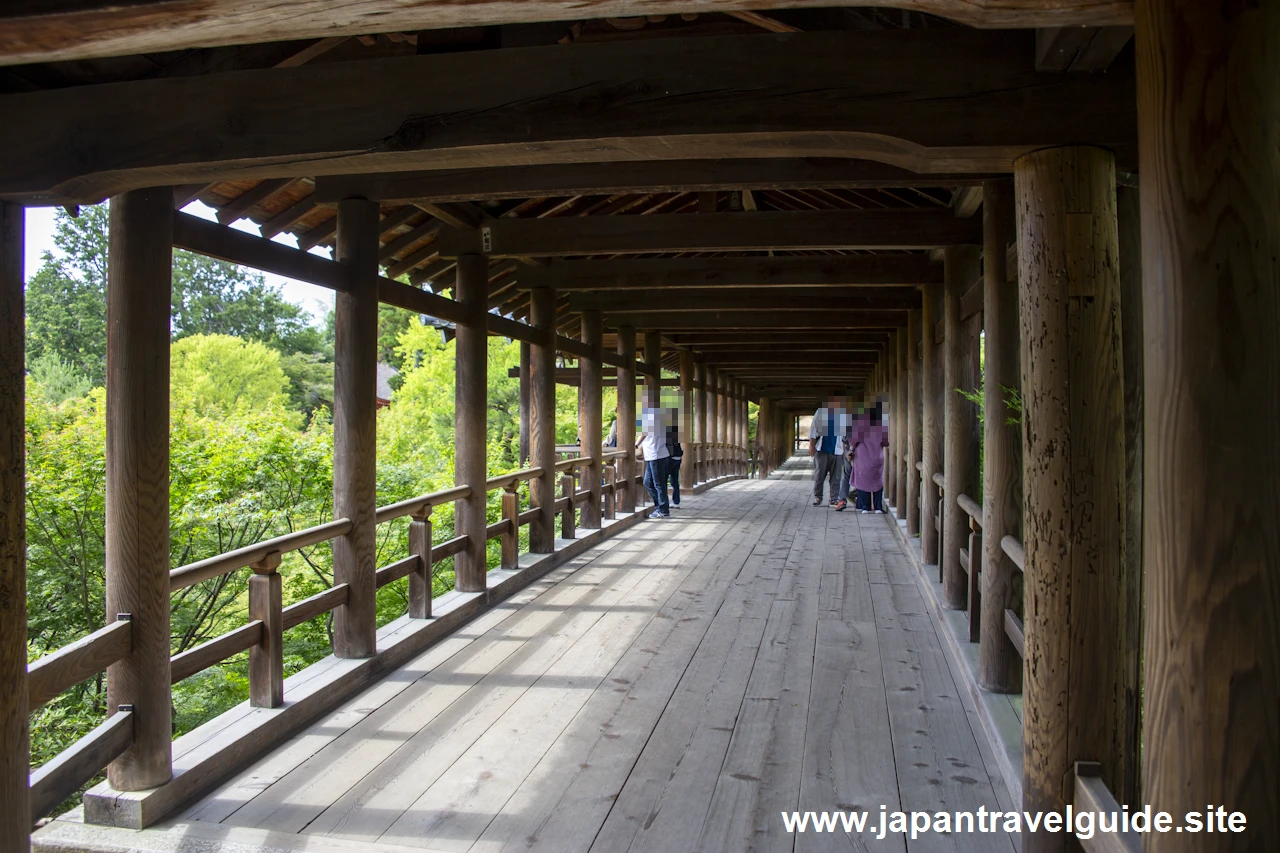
x: 826, y: 468
x: 655, y: 482
x: 673, y: 475
x: 869, y: 500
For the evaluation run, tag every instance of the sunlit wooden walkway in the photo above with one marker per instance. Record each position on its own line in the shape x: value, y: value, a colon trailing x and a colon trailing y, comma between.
x: 674, y: 689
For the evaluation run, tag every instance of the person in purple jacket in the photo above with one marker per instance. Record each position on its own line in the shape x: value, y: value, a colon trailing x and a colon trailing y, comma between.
x: 870, y: 438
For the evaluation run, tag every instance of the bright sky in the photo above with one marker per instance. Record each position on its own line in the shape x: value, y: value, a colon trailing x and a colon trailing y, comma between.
x: 317, y: 300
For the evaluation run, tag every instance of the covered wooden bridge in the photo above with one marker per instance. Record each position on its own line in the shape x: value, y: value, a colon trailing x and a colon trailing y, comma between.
x: 771, y: 202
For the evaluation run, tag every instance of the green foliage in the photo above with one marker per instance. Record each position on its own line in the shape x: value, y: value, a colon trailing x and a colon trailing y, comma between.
x: 219, y: 374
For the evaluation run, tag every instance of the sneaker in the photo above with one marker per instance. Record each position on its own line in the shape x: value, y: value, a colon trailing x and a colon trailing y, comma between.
x: 675, y: 503
x: 657, y: 514
x: 866, y: 512
x: 840, y: 505
x: 817, y: 501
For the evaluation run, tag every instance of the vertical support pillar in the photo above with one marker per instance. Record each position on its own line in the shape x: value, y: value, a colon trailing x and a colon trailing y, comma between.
x: 627, y: 419
x: 1073, y: 435
x: 1208, y: 116
x: 999, y: 666
x: 525, y: 349
x: 764, y: 436
x: 653, y: 358
x: 722, y: 424
x: 684, y: 430
x: 890, y: 358
x: 266, y: 660
x: 420, y: 579
x: 15, y: 800
x: 139, y: 287
x: 702, y: 415
x: 931, y: 421
x: 542, y: 416
x: 712, y: 461
x: 960, y: 436
x: 590, y: 417
x: 471, y: 404
x: 355, y: 379
x: 903, y: 412
x: 913, y: 421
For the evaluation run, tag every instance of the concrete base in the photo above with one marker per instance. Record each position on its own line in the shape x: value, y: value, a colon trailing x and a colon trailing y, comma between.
x: 999, y: 713
x: 207, y: 756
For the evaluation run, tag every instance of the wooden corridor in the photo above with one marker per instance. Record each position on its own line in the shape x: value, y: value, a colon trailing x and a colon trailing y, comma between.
x: 674, y: 689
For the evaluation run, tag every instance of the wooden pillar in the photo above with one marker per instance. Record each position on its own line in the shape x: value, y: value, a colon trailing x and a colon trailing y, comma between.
x: 722, y: 424
x: 931, y: 420
x: 590, y: 417
x: 701, y: 406
x: 764, y: 435
x: 471, y: 404
x: 1208, y: 118
x: 627, y: 418
x: 904, y: 409
x: 713, y: 423
x: 889, y: 357
x: 999, y: 666
x: 542, y: 416
x: 139, y: 284
x: 685, y: 427
x: 524, y: 403
x: 1129, y: 238
x: 913, y: 421
x: 653, y: 358
x: 355, y: 379
x: 1073, y: 435
x: 960, y: 432
x: 15, y: 802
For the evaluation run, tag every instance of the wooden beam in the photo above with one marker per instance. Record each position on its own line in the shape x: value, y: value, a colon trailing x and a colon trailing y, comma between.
x: 749, y: 299
x: 355, y: 377
x: 139, y: 285
x: 15, y: 753
x: 730, y: 319
x: 671, y: 273
x: 927, y: 100
x: 241, y: 205
x: 30, y: 33
x: 711, y: 339
x: 846, y: 229
x: 1079, y: 48
x: 626, y: 178
x: 227, y: 244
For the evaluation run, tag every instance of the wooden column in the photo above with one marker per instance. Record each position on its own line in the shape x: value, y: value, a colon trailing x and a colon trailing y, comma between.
x: 713, y: 423
x: 139, y: 284
x: 627, y: 418
x: 764, y: 436
x: 685, y: 427
x: 15, y: 802
x: 590, y: 417
x: 1073, y: 435
x: 722, y: 425
x: 702, y: 415
x: 1129, y: 234
x: 960, y: 417
x: 1208, y: 118
x: 471, y: 403
x: 931, y: 425
x: 653, y: 358
x: 900, y: 500
x: 889, y: 357
x: 525, y: 348
x: 913, y: 422
x: 999, y: 666
x: 355, y: 379
x: 542, y: 416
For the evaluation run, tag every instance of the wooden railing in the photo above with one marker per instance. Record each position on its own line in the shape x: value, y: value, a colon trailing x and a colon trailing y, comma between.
x: 1090, y: 794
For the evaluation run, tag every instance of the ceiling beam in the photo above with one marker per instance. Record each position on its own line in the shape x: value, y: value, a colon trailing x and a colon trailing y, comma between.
x: 730, y: 319
x: 627, y: 178
x: 749, y: 299
x: 912, y: 228
x: 940, y: 100
x: 649, y: 274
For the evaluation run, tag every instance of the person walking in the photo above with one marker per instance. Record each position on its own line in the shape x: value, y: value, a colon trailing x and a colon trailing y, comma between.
x: 652, y: 443
x: 826, y: 446
x: 676, y: 457
x: 870, y: 438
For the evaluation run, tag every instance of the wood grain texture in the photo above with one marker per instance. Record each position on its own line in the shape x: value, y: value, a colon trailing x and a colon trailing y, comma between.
x: 999, y: 667
x: 960, y: 421
x: 471, y: 410
x: 1208, y: 98
x: 355, y: 446
x: 900, y: 414
x: 266, y: 659
x: 55, y: 672
x: 1074, y: 476
x: 59, y: 778
x: 927, y: 100
x: 626, y: 337
x: 590, y: 416
x: 15, y: 810
x: 137, y: 460
x: 914, y: 418
x: 542, y: 414
x: 931, y: 423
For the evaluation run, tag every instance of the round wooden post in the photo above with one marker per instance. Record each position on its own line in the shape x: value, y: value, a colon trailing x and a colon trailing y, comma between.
x: 999, y: 666
x: 931, y: 420
x: 139, y: 284
x: 913, y: 421
x: 471, y: 420
x: 542, y: 415
x: 525, y: 350
x: 1073, y: 435
x: 627, y: 418
x: 15, y: 801
x: 1208, y: 118
x: 890, y: 357
x: 903, y: 418
x: 355, y: 448
x: 960, y: 454
x: 684, y: 430
x: 702, y: 415
x: 711, y: 448
x: 590, y: 417
x: 764, y: 435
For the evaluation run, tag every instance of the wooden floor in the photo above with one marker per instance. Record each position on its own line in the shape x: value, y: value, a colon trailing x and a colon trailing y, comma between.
x: 672, y: 690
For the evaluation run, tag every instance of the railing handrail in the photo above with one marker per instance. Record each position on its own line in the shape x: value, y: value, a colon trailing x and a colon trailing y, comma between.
x: 1013, y: 548
x: 941, y: 481
x: 970, y: 506
x: 1092, y: 795
x: 212, y: 567
x: 410, y: 506
x: 504, y: 480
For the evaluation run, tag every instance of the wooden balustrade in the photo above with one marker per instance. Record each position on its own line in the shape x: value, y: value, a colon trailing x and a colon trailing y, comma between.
x: 1090, y: 794
x: 81, y: 660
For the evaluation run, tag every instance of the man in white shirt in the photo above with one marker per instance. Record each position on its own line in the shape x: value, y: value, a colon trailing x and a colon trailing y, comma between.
x: 826, y: 446
x: 652, y: 442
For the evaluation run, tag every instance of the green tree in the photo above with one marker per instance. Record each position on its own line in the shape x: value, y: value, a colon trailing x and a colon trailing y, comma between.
x: 220, y: 374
